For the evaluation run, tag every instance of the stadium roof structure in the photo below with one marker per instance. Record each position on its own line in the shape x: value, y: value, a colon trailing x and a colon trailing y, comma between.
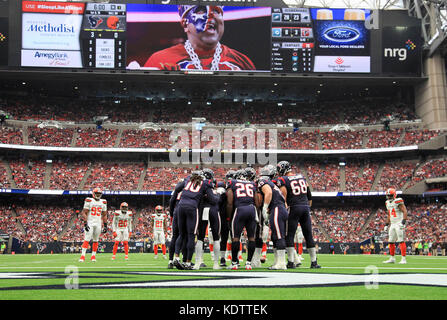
x: 363, y: 4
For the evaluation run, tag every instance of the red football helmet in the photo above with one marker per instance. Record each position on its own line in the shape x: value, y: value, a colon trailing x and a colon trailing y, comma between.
x: 391, y: 193
x: 97, y: 193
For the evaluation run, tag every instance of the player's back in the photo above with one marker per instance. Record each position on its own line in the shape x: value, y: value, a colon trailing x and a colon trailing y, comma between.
x: 193, y: 193
x: 277, y: 197
x: 243, y: 192
x: 297, y: 188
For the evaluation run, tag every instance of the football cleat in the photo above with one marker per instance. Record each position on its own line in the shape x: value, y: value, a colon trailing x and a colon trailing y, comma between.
x: 290, y: 265
x: 390, y: 260
x: 234, y: 266
x: 93, y: 259
x: 178, y: 265
x: 278, y: 267
x: 314, y: 265
x: 155, y: 257
x: 196, y: 266
x: 170, y: 265
x: 126, y: 258
x: 202, y: 265
x: 164, y: 257
x: 248, y: 266
x: 82, y: 259
x: 188, y: 267
x: 263, y: 259
x: 223, y: 262
x: 403, y: 261
x: 113, y: 258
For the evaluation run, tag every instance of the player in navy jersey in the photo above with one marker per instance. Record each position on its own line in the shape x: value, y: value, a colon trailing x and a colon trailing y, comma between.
x: 241, y: 199
x: 195, y: 189
x: 275, y: 213
x: 225, y: 230
x: 298, y: 195
x: 173, y: 212
x: 208, y: 213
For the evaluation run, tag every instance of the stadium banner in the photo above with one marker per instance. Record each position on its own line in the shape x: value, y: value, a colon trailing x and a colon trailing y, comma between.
x: 342, y: 64
x: 53, y: 7
x: 168, y: 193
x: 51, y: 58
x: 147, y: 246
x: 4, y: 41
x: 51, y: 31
x: 402, y: 50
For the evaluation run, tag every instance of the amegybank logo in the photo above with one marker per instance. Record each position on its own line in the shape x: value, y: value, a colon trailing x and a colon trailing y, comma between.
x: 53, y: 58
x: 400, y: 53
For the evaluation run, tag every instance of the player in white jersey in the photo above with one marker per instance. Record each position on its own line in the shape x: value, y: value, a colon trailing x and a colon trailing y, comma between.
x: 299, y: 237
x: 395, y: 224
x: 122, y: 229
x: 94, y: 215
x: 159, y: 228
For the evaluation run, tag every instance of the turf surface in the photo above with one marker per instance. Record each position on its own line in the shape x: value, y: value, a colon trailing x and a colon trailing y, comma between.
x: 43, y: 277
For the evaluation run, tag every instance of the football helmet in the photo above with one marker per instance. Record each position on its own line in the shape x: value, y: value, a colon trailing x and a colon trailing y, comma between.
x: 97, y: 193
x: 230, y: 175
x: 123, y: 207
x: 208, y: 173
x: 283, y: 167
x: 240, y: 174
x: 390, y: 193
x: 250, y: 173
x: 269, y: 171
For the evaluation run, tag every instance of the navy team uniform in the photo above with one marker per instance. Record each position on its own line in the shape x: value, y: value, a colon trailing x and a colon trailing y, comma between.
x: 278, y: 214
x: 173, y: 212
x: 188, y: 213
x: 245, y: 214
x: 213, y: 219
x: 298, y: 196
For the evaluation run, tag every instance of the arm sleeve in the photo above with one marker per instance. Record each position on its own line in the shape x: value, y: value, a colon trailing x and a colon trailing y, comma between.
x: 211, y: 196
x: 178, y: 188
x: 309, y: 194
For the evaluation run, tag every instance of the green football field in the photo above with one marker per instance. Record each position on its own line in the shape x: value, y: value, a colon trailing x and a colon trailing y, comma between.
x: 342, y: 277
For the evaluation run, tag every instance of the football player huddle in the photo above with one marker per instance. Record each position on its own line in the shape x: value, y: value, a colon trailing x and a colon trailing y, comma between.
x: 274, y: 203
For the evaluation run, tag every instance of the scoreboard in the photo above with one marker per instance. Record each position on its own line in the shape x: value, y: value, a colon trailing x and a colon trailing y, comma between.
x: 293, y: 41
x: 103, y: 35
x: 73, y: 35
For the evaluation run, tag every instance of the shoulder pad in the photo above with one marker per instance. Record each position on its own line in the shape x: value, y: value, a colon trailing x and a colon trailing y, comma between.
x: 117, y: 213
x: 104, y: 201
x: 88, y: 200
x: 399, y: 200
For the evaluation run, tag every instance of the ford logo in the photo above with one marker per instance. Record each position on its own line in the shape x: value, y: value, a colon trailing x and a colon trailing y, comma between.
x: 341, y: 34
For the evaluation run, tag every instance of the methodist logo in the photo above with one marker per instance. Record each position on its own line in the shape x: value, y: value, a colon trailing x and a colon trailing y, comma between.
x: 400, y: 53
x: 50, y: 28
x: 341, y: 34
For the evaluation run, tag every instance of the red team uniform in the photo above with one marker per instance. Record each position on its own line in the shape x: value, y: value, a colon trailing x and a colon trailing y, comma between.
x: 176, y: 58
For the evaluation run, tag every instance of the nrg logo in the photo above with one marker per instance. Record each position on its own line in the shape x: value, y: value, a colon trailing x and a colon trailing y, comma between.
x: 400, y: 52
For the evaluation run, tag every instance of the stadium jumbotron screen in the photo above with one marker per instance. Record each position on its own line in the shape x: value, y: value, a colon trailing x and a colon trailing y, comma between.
x: 191, y: 38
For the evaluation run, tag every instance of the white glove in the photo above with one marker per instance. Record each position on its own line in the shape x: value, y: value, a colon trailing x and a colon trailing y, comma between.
x: 265, y: 214
x: 221, y: 190
x: 386, y: 228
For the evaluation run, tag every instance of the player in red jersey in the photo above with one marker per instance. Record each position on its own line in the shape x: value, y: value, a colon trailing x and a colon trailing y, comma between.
x: 204, y: 27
